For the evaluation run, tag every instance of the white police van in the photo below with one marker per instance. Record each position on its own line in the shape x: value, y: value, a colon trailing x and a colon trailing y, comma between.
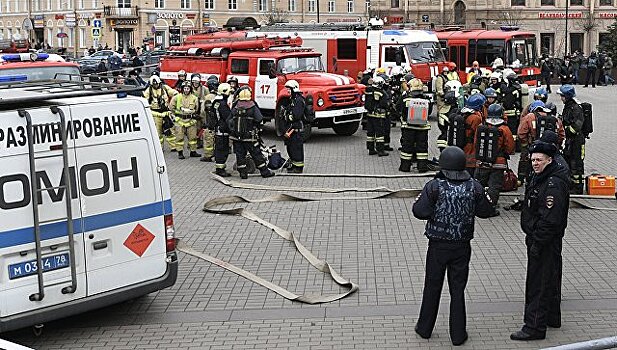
x: 85, y: 220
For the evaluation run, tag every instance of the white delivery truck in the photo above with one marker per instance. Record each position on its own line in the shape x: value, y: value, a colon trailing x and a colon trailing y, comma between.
x: 85, y: 208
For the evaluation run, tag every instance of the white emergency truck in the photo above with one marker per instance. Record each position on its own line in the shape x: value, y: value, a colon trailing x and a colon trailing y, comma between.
x: 85, y: 220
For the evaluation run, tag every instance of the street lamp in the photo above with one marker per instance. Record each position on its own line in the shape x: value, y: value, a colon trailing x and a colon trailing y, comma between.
x: 566, y: 45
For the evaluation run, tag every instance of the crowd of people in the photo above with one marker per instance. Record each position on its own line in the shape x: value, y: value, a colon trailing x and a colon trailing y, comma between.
x: 577, y: 69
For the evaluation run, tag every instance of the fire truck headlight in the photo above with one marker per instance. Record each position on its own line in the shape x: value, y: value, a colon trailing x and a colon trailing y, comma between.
x: 320, y: 102
x: 363, y: 97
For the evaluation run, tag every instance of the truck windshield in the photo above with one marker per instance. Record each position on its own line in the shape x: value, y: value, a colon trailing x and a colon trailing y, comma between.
x: 40, y: 73
x: 522, y: 53
x: 428, y: 51
x: 487, y: 50
x: 297, y: 64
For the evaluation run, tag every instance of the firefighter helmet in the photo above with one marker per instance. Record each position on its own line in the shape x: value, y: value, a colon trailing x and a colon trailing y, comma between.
x: 475, y: 102
x: 495, y: 114
x: 535, y: 105
x: 181, y: 73
x: 541, y: 94
x: 224, y: 89
x: 155, y: 79
x: 378, y: 81
x: 416, y: 85
x: 567, y: 91
x: 244, y: 94
x: 490, y: 92
x: 292, y: 85
x: 187, y: 84
x: 381, y: 70
x: 232, y: 79
x: 454, y: 85
x: 495, y: 75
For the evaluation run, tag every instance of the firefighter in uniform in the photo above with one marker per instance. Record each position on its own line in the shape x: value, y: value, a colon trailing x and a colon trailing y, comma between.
x: 574, y: 152
x: 158, y: 95
x: 440, y: 87
x: 494, y: 143
x: 544, y: 219
x: 472, y: 119
x: 511, y: 101
x: 209, y: 123
x: 222, y: 113
x: 244, y: 126
x: 491, y: 97
x: 200, y: 92
x: 181, y: 80
x: 294, y: 125
x: 449, y: 110
x: 414, y: 128
x: 376, y: 103
x: 449, y: 203
x: 539, y: 95
x: 387, y: 89
x: 497, y: 85
x: 185, y: 107
x: 233, y: 82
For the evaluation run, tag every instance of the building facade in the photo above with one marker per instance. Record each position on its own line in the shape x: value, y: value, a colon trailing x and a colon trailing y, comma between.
x: 587, y: 20
x: 120, y: 24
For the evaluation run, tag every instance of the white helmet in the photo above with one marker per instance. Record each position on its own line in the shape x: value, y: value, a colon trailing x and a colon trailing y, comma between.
x: 454, y: 85
x: 195, y: 79
x: 496, y: 75
x: 395, y: 70
x: 378, y: 81
x: 506, y: 72
x: 224, y: 89
x: 155, y: 79
x: 293, y: 85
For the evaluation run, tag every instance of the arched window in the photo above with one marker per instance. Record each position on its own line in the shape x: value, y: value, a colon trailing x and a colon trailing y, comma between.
x: 459, y: 12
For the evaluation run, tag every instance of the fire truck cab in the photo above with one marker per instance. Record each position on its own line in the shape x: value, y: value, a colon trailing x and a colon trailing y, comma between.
x: 265, y: 65
x: 351, y: 48
x: 515, y: 48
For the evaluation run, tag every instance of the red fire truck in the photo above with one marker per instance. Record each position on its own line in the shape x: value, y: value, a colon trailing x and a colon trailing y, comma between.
x: 516, y: 48
x: 265, y: 64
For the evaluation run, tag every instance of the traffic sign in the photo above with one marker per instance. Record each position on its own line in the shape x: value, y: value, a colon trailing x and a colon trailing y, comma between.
x: 97, y: 23
x: 425, y: 18
x: 69, y: 19
x: 27, y: 24
x: 96, y: 33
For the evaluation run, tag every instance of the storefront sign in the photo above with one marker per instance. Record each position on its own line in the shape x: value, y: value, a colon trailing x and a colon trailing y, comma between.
x: 559, y: 15
x: 205, y: 21
x: 607, y: 15
x: 170, y: 15
x: 39, y: 21
x: 86, y: 15
x: 395, y: 19
x: 125, y: 22
x: 59, y: 16
x: 344, y: 20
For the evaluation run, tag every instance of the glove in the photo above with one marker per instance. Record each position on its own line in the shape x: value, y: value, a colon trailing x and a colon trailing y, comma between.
x: 535, y: 249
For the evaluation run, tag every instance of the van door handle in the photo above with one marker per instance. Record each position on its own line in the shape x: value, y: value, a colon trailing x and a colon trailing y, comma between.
x: 99, y: 245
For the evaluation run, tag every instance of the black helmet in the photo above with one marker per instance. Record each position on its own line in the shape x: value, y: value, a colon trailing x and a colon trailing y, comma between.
x: 452, y: 163
x: 450, y: 98
x: 212, y: 83
x: 477, y: 79
x: 549, y: 136
x: 552, y: 107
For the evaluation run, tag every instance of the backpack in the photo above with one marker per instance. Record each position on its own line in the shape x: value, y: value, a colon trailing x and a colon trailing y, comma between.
x: 456, y: 131
x: 417, y: 111
x: 487, y: 143
x: 588, y: 121
x: 548, y: 122
x: 242, y: 122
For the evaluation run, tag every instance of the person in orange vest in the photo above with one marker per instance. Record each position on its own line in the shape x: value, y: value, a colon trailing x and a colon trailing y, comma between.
x: 493, y: 145
x: 473, y: 118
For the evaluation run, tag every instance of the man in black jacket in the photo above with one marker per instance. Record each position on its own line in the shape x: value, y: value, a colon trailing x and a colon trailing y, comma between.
x: 544, y: 219
x: 573, y: 119
x: 450, y: 203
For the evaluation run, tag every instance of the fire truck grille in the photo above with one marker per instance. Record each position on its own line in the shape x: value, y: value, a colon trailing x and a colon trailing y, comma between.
x: 344, y: 95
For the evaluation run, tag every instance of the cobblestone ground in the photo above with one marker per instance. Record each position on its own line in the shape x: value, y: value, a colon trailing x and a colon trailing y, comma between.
x: 374, y: 243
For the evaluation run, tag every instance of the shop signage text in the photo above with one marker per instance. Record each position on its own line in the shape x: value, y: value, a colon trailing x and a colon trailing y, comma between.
x: 170, y: 15
x: 559, y: 15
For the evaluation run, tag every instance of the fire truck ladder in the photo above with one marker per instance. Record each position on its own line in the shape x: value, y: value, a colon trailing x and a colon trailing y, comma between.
x: 36, y: 191
x: 223, y: 47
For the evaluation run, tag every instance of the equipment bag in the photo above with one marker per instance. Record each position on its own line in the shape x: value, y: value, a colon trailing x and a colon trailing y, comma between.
x: 588, y: 121
x: 242, y: 122
x: 417, y: 111
x: 456, y: 131
x: 509, y: 181
x: 487, y: 143
x: 543, y: 123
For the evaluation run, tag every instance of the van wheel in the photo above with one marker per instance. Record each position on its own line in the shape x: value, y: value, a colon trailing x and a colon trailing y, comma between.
x: 346, y: 129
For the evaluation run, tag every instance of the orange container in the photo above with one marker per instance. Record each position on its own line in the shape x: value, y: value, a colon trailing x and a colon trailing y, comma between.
x: 601, y: 185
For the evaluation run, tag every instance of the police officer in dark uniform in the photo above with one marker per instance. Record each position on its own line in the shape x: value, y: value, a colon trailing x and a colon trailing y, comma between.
x: 221, y: 134
x: 244, y: 125
x: 449, y: 230
x: 544, y: 220
x: 293, y: 127
x: 573, y: 120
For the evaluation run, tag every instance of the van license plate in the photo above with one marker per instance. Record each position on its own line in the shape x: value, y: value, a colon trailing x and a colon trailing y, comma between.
x: 29, y: 268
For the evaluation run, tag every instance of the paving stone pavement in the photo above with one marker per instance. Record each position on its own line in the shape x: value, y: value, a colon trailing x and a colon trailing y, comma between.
x: 374, y: 243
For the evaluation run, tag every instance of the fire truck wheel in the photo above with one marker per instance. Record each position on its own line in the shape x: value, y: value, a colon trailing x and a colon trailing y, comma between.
x: 346, y: 129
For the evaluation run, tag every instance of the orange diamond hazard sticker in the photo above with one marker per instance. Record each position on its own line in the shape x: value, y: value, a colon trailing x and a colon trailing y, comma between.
x: 139, y: 240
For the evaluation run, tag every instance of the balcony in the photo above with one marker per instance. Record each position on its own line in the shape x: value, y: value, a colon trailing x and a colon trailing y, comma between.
x: 116, y: 12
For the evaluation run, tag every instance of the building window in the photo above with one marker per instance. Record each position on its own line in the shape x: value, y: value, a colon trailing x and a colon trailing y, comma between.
x: 80, y: 4
x: 159, y: 4
x: 603, y: 39
x: 576, y: 42
x: 517, y: 2
x: 576, y: 2
x: 547, y: 43
x: 395, y: 4
x: 292, y: 5
x: 185, y: 4
x: 82, y: 37
x: 311, y: 6
x: 124, y: 3
x: 209, y: 5
x: 547, y: 2
x: 95, y: 4
x: 331, y: 6
x: 16, y: 5
x: 232, y: 4
x: 606, y: 2
x: 49, y: 6
x: 262, y: 6
x: 350, y: 6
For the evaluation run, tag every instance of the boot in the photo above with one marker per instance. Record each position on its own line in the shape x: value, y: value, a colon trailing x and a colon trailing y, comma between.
x: 422, y: 165
x: 576, y: 189
x: 387, y: 147
x: 371, y: 148
x: 205, y: 159
x: 380, y: 150
x: 194, y: 154
x: 265, y: 172
x: 243, y: 174
x: 222, y: 172
x: 294, y: 170
x: 181, y: 155
x: 405, y: 165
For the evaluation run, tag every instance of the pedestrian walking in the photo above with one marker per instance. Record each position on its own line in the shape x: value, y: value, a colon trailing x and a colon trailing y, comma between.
x: 608, y: 67
x: 592, y: 66
x: 449, y: 202
x: 543, y: 220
